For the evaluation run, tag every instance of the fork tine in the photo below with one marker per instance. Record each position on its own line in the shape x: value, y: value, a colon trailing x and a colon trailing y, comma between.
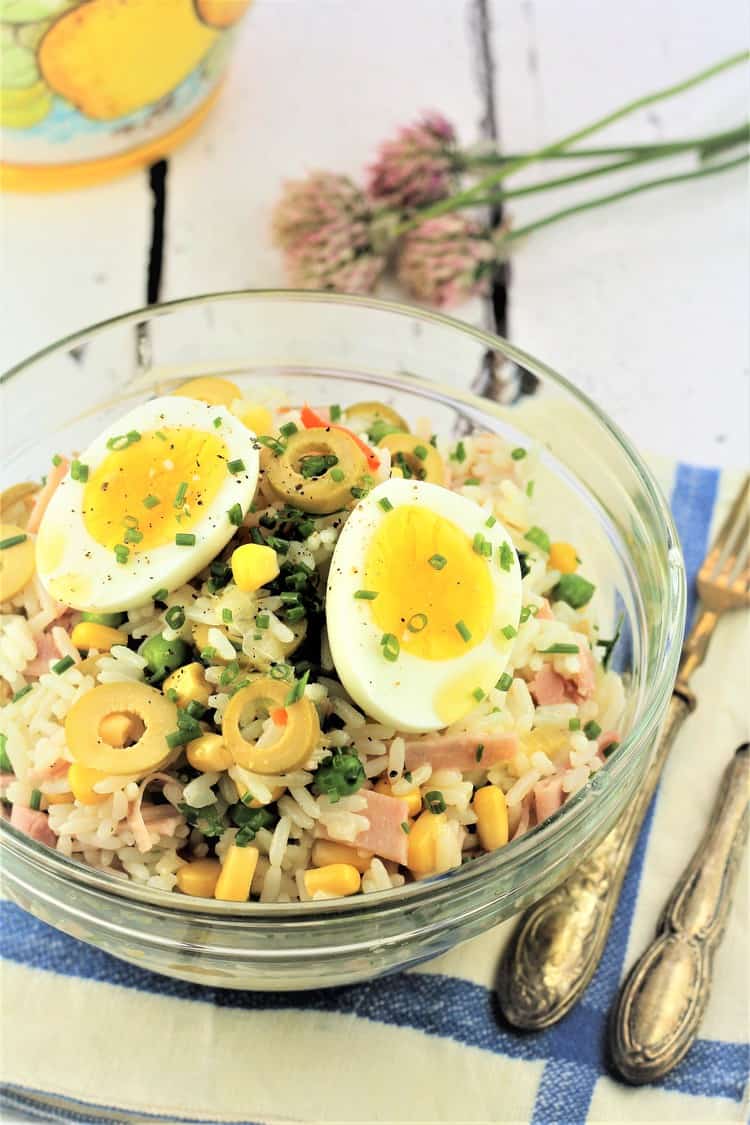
x: 718, y: 550
x: 735, y: 552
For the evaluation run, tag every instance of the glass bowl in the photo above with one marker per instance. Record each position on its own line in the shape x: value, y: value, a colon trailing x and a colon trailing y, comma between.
x: 323, y: 348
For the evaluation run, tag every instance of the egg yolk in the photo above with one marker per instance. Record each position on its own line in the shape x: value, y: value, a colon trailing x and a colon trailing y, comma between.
x: 434, y: 592
x: 160, y: 484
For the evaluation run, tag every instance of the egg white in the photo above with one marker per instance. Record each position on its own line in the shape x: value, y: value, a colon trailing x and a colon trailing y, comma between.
x: 406, y: 693
x: 84, y: 574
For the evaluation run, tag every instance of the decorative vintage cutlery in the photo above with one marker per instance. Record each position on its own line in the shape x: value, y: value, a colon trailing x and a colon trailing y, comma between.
x: 662, y: 1002
x: 558, y: 942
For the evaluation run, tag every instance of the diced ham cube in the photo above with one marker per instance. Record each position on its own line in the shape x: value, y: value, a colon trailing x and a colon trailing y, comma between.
x: 547, y: 797
x: 461, y: 751
x: 548, y: 688
x: 385, y: 835
x: 34, y: 823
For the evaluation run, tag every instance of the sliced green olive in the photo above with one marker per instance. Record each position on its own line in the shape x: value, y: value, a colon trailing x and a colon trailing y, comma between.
x: 376, y: 419
x: 413, y: 457
x: 342, y: 466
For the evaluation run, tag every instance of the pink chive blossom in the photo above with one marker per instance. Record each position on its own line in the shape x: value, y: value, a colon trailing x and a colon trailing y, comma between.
x: 446, y: 260
x: 418, y: 166
x: 325, y: 227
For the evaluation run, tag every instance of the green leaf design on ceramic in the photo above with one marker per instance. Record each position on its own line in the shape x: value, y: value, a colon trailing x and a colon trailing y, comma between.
x: 18, y: 67
x: 27, y: 11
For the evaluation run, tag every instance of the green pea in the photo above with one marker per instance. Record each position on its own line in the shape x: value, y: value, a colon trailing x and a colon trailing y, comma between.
x: 164, y: 656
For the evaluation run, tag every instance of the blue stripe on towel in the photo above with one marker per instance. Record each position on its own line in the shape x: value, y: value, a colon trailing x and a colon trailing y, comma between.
x: 438, y: 1005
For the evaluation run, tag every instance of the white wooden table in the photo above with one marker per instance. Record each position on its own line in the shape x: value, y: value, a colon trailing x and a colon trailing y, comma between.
x: 644, y: 305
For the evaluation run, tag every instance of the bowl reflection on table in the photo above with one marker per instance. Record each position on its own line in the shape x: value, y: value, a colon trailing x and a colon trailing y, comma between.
x: 321, y: 348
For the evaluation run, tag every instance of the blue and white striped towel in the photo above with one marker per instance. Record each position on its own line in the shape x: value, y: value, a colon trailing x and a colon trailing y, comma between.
x: 87, y: 1038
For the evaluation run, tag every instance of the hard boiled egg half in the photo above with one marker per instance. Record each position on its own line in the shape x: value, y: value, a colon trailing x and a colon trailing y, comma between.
x: 423, y: 603
x: 147, y: 505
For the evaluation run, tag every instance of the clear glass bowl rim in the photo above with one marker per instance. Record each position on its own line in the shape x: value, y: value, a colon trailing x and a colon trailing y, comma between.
x: 515, y: 853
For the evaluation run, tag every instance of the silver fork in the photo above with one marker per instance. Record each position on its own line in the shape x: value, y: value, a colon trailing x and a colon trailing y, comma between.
x: 558, y: 942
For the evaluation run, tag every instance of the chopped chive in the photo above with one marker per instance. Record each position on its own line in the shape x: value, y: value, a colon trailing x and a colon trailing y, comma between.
x: 172, y: 694
x: 592, y: 730
x: 207, y: 654
x: 459, y: 453
x: 337, y: 475
x: 417, y: 622
x: 132, y: 535
x: 277, y: 447
x: 472, y: 482
x: 63, y: 665
x: 296, y: 613
x: 435, y: 801
x: 609, y: 645
x: 297, y: 690
x: 35, y: 800
x: 335, y: 412
x: 79, y: 471
x: 161, y: 594
x: 21, y: 693
x: 478, y: 694
x: 505, y: 681
x: 525, y: 614
x: 479, y: 752
x: 280, y: 545
x: 235, y: 515
x: 610, y: 748
x: 390, y: 647
x: 437, y: 562
x: 539, y: 538
x: 161, y: 435
x: 6, y: 766
x: 420, y: 451
x: 478, y: 543
x: 574, y: 724
x: 237, y: 466
x: 505, y: 555
x: 560, y: 649
x: 288, y: 429
x: 530, y: 489
x: 366, y: 595
x: 574, y: 590
x: 358, y: 493
x: 407, y: 776
x: 518, y: 454
x: 56, y: 459
x: 122, y: 553
x: 184, y: 539
x: 262, y: 621
x: 490, y: 521
x: 180, y: 495
x: 180, y: 738
x: 217, y: 423
x: 463, y: 631
x: 433, y: 441
x: 12, y: 541
x: 226, y: 616
x: 405, y: 827
x: 124, y: 441
x: 509, y: 632
x: 385, y: 504
x: 175, y: 617
x: 150, y: 501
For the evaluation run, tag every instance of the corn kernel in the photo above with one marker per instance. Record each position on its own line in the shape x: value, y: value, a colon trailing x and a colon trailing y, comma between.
x: 88, y: 634
x: 492, y: 817
x: 423, y: 839
x: 81, y: 780
x: 210, y: 389
x: 413, y: 798
x: 562, y: 557
x: 254, y: 566
x: 190, y: 684
x: 276, y: 792
x: 233, y: 884
x: 327, y: 852
x: 208, y: 753
x: 120, y: 729
x: 334, y: 880
x: 59, y: 798
x: 257, y: 418
x: 199, y: 878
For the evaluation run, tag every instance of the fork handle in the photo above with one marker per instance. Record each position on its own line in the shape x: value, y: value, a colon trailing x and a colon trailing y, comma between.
x: 663, y: 999
x: 559, y: 941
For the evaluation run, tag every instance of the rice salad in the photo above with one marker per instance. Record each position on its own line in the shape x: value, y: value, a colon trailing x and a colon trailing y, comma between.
x: 254, y: 650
